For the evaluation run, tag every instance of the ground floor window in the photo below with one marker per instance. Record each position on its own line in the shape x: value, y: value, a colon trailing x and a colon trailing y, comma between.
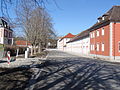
x: 102, y: 46
x: 97, y: 47
x: 91, y: 47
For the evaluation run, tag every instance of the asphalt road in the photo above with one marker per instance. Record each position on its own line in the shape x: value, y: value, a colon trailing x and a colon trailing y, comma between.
x: 63, y: 71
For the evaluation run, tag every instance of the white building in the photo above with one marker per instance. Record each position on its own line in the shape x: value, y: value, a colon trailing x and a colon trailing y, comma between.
x: 5, y: 32
x: 61, y: 43
x: 80, y: 43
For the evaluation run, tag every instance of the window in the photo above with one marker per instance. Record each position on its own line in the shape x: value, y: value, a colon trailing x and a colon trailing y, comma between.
x: 10, y: 34
x: 102, y: 46
x: 93, y: 47
x: 119, y: 46
x: 93, y: 35
x: 98, y: 47
x: 103, y: 18
x: 102, y: 31
x: 97, y: 33
x: 5, y: 33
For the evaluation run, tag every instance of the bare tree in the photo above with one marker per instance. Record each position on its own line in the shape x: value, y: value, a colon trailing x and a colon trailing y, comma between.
x: 5, y: 5
x: 43, y: 27
x: 36, y: 24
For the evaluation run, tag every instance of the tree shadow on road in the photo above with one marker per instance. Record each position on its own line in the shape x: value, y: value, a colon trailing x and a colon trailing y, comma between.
x: 14, y: 78
x: 67, y: 74
x: 77, y: 75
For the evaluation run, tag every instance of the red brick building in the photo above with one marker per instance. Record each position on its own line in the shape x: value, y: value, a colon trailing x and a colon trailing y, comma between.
x: 105, y: 35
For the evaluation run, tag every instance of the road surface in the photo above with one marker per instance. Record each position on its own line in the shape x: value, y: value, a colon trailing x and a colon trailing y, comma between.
x: 63, y: 71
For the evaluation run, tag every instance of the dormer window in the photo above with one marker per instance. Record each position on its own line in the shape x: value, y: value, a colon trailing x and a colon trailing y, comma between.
x: 99, y: 19
x: 103, y: 18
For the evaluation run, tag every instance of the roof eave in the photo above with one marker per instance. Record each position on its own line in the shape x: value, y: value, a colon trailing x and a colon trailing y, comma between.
x: 100, y: 25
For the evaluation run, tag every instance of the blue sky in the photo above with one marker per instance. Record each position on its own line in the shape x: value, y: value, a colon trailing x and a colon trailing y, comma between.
x: 75, y: 16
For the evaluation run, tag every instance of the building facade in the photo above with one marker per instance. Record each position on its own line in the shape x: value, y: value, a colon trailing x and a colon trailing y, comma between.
x: 80, y: 43
x: 62, y: 42
x: 105, y: 35
x: 102, y: 40
x: 23, y: 43
x: 6, y: 33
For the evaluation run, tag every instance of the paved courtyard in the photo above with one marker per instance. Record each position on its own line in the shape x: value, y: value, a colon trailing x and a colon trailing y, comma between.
x: 64, y: 71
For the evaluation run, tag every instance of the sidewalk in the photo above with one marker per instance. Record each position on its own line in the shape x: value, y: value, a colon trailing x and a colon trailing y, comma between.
x: 89, y: 56
x: 19, y: 62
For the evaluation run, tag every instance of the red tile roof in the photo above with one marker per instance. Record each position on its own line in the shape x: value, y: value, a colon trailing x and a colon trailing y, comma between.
x: 69, y: 35
x: 81, y: 35
x: 22, y: 43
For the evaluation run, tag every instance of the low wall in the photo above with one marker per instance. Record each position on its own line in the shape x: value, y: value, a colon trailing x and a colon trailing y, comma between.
x: 1, y: 50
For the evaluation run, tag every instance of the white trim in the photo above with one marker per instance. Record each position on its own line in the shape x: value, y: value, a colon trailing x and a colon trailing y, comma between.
x: 98, y: 46
x: 102, y: 47
x: 97, y: 32
x: 93, y: 36
x: 103, y: 18
x: 111, y: 38
x: 103, y: 31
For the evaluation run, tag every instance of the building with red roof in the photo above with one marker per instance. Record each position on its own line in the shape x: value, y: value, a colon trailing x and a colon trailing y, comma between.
x: 22, y: 43
x: 61, y: 44
x: 80, y: 43
x: 102, y: 40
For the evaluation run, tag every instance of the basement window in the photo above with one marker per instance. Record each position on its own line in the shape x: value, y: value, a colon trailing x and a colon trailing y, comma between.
x: 119, y: 46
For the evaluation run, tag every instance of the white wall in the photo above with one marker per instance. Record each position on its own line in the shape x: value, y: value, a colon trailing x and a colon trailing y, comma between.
x: 3, y: 39
x: 62, y: 43
x: 1, y: 35
x: 80, y: 46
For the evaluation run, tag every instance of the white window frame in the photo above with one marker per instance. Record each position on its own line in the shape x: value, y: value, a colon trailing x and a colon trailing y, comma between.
x: 93, y: 35
x: 103, y: 47
x: 93, y: 47
x: 103, y: 31
x: 119, y: 46
x: 103, y: 18
x: 97, y: 33
x: 98, y: 47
